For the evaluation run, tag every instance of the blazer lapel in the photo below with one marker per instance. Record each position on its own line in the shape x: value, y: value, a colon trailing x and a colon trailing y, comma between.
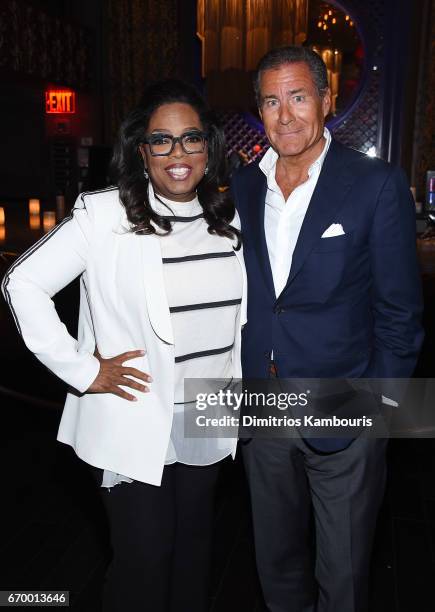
x: 257, y: 195
x: 143, y: 254
x: 243, y: 309
x: 329, y: 195
x: 157, y: 301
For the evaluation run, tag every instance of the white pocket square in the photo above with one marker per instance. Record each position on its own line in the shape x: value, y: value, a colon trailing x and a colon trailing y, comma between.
x: 336, y: 229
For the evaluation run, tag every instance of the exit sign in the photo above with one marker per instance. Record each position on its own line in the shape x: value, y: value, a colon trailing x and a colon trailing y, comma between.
x: 60, y: 101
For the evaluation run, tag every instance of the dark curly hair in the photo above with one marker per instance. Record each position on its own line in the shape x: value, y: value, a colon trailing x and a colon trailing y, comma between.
x: 127, y: 168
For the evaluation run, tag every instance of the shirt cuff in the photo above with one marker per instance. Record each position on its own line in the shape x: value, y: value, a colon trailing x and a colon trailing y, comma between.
x: 389, y: 402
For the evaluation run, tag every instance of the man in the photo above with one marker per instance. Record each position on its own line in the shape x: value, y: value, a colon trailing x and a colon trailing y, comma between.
x: 334, y: 292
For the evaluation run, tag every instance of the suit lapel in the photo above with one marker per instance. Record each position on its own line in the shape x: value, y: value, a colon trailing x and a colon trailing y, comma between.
x: 328, y: 197
x: 257, y: 196
x: 243, y: 309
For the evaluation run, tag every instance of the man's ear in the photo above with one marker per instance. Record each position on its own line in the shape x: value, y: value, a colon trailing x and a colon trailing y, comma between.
x: 260, y: 113
x: 326, y: 101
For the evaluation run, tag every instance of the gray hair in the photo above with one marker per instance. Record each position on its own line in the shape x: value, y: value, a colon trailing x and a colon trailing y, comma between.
x: 290, y: 55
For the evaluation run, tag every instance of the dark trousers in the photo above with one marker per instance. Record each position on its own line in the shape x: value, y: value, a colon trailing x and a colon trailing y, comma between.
x: 161, y: 540
x: 289, y: 484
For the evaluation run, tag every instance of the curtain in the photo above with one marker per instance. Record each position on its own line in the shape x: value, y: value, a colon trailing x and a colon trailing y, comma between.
x: 236, y: 33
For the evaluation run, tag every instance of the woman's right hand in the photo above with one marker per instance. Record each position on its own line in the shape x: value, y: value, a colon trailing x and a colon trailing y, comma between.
x: 112, y: 374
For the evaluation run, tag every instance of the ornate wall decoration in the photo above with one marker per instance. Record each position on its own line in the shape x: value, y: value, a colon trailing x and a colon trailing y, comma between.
x: 142, y: 45
x: 40, y: 46
x: 360, y: 128
x: 424, y: 131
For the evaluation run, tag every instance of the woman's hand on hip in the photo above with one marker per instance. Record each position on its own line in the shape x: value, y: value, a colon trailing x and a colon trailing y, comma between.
x: 112, y: 374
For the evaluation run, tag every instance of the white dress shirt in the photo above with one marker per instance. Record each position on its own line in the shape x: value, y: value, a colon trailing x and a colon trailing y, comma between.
x: 283, y: 218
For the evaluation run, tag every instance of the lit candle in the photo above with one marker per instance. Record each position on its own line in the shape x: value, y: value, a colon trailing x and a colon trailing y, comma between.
x: 2, y: 233
x: 34, y: 206
x: 34, y: 222
x: 2, y: 215
x: 48, y: 220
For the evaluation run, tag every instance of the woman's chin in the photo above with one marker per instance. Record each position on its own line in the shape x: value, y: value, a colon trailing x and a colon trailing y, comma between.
x: 181, y: 193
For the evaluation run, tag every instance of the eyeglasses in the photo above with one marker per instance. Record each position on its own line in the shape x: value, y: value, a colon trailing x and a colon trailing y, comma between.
x: 163, y: 144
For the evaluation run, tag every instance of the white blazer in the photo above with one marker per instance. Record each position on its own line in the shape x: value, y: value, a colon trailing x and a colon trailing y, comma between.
x: 123, y: 307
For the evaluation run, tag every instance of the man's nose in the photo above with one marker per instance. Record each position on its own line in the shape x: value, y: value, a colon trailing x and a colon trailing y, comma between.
x: 286, y: 114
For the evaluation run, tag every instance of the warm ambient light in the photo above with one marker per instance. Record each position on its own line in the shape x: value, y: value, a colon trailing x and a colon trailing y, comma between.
x: 60, y: 101
x: 48, y: 220
x: 34, y: 222
x: 2, y: 215
x: 2, y: 233
x: 34, y: 206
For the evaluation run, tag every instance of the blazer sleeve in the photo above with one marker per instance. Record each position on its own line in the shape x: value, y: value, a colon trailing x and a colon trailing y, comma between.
x: 29, y: 286
x: 396, y: 286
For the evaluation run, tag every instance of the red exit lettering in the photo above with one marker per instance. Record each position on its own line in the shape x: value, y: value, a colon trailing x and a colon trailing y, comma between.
x: 60, y: 102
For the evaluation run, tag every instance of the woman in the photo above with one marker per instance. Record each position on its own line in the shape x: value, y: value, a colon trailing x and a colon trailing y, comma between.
x: 163, y: 296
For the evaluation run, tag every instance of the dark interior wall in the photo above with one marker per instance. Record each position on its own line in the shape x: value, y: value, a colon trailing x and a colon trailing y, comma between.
x: 120, y: 47
x: 405, y: 34
x: 123, y: 44
x: 23, y: 150
x: 189, y: 45
x: 45, y: 44
x: 144, y: 41
x: 407, y: 120
x: 419, y: 118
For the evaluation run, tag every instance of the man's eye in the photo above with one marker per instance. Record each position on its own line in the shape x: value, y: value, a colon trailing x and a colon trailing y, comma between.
x: 299, y: 98
x: 271, y: 102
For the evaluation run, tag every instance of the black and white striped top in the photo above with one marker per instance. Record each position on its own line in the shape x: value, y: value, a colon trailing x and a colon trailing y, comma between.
x: 204, y: 289
x: 204, y: 283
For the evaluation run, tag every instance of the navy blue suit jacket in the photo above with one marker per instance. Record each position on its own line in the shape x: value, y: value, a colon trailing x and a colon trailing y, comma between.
x: 352, y: 304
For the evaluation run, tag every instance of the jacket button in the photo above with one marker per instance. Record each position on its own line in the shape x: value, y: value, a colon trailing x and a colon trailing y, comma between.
x: 279, y: 310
